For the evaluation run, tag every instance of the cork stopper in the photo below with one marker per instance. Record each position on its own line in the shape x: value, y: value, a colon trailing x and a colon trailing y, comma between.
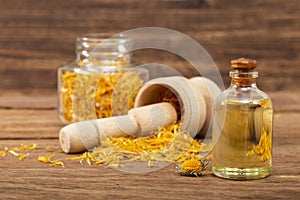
x: 243, y: 64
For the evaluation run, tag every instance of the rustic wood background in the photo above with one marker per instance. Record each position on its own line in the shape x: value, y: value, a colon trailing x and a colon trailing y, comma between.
x: 38, y: 36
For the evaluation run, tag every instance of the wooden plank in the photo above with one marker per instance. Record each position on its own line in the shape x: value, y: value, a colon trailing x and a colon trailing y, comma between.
x: 37, y: 37
x: 272, y: 77
x: 23, y: 123
x: 29, y: 99
x: 45, y: 124
x: 46, y: 99
x: 285, y: 101
x: 20, y: 179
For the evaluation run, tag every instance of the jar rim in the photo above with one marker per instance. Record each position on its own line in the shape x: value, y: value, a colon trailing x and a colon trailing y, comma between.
x: 104, y: 37
x: 115, y: 68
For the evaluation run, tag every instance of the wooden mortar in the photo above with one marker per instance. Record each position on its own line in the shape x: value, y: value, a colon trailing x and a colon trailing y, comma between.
x: 195, y: 97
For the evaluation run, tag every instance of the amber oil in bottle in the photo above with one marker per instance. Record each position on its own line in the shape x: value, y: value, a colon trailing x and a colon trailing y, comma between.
x: 242, y: 128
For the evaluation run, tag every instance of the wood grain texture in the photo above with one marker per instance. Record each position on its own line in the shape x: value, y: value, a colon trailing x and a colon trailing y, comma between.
x: 36, y: 37
x: 35, y: 180
x: 37, y: 123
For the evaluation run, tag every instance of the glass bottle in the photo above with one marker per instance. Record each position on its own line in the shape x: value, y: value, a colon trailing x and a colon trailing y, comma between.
x: 101, y: 82
x: 242, y: 127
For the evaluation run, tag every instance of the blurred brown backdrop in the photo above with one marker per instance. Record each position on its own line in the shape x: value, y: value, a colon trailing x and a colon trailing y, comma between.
x: 37, y: 36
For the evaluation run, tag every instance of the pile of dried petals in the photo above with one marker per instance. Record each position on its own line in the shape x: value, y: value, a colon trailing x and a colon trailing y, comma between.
x: 100, y: 88
x: 168, y: 144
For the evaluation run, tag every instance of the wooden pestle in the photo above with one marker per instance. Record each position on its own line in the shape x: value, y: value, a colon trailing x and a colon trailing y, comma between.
x: 81, y: 136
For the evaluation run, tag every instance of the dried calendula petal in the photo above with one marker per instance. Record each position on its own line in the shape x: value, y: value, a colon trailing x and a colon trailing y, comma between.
x: 57, y: 163
x: 3, y: 152
x: 150, y: 163
x: 116, y: 165
x: 28, y: 147
x: 19, y: 155
x: 14, y: 148
x: 75, y: 158
x: 48, y: 159
x: 24, y: 147
x: 45, y: 158
x: 22, y: 156
x: 86, y: 156
x: 49, y: 149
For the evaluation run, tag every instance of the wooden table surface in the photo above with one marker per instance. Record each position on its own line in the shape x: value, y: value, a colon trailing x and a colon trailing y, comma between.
x: 30, y: 117
x: 36, y: 37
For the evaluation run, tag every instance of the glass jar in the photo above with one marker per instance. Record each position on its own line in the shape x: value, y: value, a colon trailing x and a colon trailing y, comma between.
x: 242, y: 127
x: 101, y: 82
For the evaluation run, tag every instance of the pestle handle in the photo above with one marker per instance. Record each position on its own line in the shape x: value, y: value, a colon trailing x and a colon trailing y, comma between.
x: 80, y: 136
x: 85, y: 135
x: 152, y: 116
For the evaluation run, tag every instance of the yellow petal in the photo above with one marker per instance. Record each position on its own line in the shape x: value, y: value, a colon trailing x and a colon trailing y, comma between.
x: 57, y: 163
x: 75, y: 158
x: 13, y: 152
x: 45, y: 158
x: 49, y: 149
x: 3, y: 152
x: 28, y: 147
x: 20, y: 156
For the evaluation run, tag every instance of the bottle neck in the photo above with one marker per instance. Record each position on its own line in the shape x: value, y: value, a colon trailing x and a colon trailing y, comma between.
x: 100, y: 50
x: 241, y: 78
